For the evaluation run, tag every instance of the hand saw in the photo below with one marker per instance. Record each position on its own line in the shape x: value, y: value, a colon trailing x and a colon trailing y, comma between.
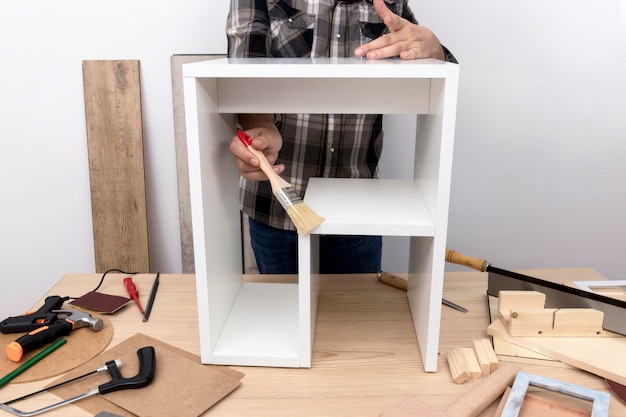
x: 557, y: 295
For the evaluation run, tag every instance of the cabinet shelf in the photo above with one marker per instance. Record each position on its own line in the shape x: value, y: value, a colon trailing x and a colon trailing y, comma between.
x: 369, y: 207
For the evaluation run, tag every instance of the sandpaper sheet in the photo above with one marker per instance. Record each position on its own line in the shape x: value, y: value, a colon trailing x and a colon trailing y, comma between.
x: 82, y: 345
x: 102, y: 303
x: 182, y: 386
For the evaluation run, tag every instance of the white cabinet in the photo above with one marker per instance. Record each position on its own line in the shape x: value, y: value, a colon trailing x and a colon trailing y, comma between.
x: 247, y: 323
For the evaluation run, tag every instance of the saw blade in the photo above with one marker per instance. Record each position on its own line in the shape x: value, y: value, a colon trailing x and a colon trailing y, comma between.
x: 560, y: 296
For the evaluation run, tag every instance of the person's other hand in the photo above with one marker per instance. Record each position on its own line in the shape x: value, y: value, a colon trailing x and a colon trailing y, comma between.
x: 405, y: 39
x: 267, y: 140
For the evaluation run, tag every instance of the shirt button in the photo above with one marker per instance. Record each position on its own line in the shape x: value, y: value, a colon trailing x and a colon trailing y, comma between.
x: 290, y: 20
x: 338, y: 35
x: 331, y: 150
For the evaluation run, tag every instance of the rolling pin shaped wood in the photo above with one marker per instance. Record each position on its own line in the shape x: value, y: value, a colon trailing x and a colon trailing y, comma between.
x: 470, y: 405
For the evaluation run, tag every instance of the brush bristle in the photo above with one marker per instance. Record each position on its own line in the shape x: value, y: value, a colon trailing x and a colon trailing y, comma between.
x: 304, y: 218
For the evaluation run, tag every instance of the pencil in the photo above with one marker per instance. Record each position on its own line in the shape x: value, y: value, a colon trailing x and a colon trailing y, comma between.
x: 302, y: 216
x: 153, y: 291
x: 14, y: 374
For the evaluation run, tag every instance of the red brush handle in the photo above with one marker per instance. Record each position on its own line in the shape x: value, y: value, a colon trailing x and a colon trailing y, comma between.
x: 247, y: 140
x: 275, y: 180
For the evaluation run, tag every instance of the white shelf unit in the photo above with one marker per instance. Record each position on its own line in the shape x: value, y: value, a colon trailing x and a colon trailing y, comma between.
x: 260, y: 324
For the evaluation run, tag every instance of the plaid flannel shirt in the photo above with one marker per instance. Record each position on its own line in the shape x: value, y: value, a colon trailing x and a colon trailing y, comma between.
x: 314, y: 145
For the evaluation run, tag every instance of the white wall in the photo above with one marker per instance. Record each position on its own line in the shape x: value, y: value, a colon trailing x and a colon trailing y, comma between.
x: 540, y: 156
x: 45, y: 214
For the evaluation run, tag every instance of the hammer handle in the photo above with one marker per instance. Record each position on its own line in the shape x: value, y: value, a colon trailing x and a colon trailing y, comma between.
x: 37, y: 338
x: 487, y: 391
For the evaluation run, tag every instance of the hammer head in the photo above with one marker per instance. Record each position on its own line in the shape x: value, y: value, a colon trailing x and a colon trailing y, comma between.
x: 81, y: 319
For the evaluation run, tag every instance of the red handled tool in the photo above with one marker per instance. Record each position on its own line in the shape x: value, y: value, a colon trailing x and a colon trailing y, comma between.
x: 133, y: 293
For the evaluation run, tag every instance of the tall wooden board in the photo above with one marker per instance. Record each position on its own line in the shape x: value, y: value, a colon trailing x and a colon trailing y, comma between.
x: 182, y: 169
x: 116, y: 164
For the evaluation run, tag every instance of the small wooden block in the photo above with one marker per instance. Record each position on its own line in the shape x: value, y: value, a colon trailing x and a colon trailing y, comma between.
x: 508, y: 300
x: 579, y: 321
x: 486, y: 356
x: 457, y: 366
x: 471, y: 362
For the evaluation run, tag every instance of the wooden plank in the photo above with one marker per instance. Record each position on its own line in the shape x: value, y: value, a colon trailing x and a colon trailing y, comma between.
x: 595, y: 355
x: 182, y: 167
x: 116, y: 165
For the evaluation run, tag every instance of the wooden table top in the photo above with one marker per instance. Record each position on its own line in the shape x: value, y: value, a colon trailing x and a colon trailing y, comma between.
x: 365, y: 354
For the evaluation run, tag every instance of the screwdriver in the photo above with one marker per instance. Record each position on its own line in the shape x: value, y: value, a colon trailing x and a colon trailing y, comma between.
x: 132, y: 292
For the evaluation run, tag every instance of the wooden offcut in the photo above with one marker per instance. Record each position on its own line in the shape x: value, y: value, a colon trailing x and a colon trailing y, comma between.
x: 116, y: 165
x: 486, y: 356
x: 564, y: 322
x: 508, y: 300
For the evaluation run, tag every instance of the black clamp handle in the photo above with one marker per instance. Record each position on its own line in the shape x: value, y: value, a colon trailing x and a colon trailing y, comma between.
x: 147, y: 367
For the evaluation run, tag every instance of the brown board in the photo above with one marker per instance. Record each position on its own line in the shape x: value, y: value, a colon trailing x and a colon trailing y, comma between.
x: 182, y: 166
x: 116, y: 165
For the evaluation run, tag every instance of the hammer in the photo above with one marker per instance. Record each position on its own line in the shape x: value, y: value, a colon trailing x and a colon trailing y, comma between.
x: 469, y: 405
x: 67, y: 321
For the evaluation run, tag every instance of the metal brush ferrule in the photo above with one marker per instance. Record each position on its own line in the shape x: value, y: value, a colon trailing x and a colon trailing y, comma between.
x: 288, y: 197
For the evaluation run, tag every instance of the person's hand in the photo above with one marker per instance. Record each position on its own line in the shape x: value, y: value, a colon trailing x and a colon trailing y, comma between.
x: 405, y: 39
x: 267, y: 140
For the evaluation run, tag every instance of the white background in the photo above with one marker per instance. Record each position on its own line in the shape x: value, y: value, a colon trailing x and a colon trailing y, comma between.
x: 540, y: 155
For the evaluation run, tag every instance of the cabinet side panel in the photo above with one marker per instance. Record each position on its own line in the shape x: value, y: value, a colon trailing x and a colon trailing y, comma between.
x: 213, y: 180
x: 425, y: 290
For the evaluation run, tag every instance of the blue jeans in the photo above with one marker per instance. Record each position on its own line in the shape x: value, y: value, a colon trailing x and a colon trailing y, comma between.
x: 276, y: 251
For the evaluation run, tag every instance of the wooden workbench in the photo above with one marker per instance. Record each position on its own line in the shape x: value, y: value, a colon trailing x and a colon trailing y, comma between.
x: 365, y: 357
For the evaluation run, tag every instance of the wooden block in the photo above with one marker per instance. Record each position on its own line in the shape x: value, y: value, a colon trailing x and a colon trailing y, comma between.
x: 486, y: 356
x: 116, y: 165
x: 531, y: 321
x: 508, y: 300
x: 471, y: 362
x: 565, y: 322
x: 459, y: 372
x: 578, y: 321
x: 509, y: 351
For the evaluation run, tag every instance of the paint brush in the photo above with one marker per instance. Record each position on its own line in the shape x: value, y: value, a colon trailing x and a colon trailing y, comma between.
x: 302, y: 216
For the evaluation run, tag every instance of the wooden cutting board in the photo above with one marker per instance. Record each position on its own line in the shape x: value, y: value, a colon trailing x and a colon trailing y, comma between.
x: 116, y: 165
x: 596, y: 355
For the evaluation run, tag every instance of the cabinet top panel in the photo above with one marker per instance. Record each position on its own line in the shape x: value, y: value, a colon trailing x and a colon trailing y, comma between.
x: 320, y: 68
